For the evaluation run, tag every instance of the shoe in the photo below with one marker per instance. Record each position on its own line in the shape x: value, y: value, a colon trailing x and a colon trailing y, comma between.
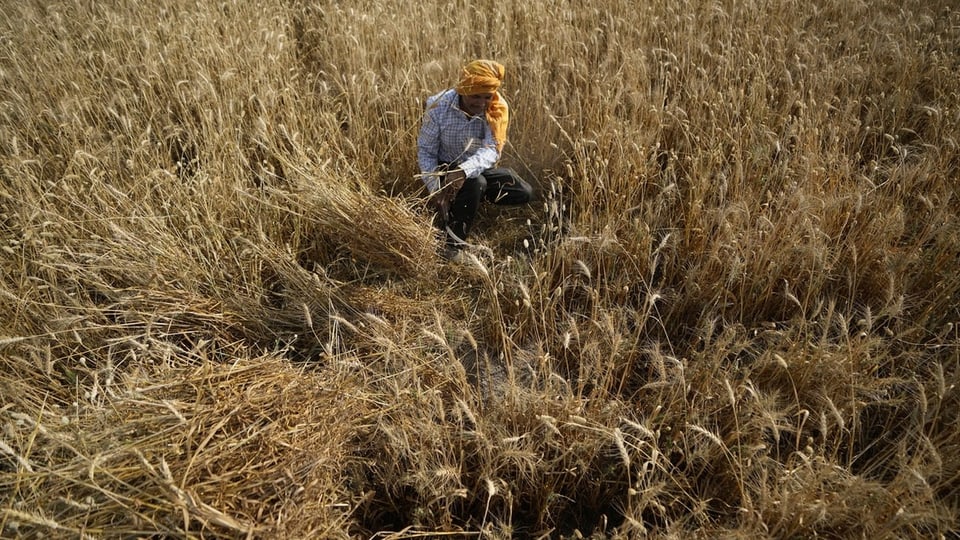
x: 451, y: 253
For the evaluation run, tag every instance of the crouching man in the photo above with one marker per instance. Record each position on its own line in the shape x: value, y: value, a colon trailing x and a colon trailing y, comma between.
x: 462, y: 134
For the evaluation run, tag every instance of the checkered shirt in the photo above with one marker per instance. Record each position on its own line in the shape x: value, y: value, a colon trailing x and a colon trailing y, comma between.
x: 450, y: 135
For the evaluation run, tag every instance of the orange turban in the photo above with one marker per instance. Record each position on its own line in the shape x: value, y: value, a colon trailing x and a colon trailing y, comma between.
x: 485, y: 77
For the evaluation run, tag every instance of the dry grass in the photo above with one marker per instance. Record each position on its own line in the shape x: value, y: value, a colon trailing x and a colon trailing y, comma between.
x: 732, y: 311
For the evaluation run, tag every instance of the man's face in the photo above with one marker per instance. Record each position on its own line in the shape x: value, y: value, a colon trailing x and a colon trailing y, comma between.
x: 476, y: 104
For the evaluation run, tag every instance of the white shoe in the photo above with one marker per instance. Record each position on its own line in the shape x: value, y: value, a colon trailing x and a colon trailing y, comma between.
x: 452, y: 254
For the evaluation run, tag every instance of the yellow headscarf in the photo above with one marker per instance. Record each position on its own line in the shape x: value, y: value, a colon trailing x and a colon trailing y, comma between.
x: 485, y: 77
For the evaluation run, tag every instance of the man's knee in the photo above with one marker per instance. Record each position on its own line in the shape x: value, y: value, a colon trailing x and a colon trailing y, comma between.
x: 525, y: 188
x: 480, y: 184
x: 472, y: 191
x: 507, y: 187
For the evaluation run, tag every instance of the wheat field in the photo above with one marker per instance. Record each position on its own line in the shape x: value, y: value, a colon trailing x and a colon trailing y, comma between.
x: 731, y: 311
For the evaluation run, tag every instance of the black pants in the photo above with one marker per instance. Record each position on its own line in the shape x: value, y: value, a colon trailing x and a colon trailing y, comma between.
x: 498, y: 185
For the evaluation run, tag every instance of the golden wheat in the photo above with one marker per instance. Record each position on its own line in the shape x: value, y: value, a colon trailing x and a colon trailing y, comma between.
x: 731, y: 312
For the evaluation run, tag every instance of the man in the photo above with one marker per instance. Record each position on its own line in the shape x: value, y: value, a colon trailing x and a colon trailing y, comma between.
x: 463, y: 132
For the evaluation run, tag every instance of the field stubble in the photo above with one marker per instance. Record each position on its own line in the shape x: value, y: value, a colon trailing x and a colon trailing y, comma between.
x: 731, y: 312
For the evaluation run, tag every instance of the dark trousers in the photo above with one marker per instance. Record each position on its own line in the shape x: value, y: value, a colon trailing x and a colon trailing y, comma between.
x: 498, y: 185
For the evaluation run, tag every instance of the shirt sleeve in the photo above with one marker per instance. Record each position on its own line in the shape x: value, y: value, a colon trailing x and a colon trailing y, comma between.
x: 484, y: 158
x: 428, y: 150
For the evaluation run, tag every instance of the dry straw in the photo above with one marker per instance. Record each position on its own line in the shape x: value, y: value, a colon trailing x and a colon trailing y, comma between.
x: 731, y: 312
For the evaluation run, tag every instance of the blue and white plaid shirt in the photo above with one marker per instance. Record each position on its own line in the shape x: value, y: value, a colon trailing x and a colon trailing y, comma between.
x: 450, y: 135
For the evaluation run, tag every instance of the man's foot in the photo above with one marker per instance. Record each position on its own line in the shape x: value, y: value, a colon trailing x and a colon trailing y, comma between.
x: 451, y: 253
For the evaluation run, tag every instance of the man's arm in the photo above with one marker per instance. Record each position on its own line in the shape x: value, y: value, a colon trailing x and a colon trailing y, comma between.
x: 428, y: 150
x: 484, y: 158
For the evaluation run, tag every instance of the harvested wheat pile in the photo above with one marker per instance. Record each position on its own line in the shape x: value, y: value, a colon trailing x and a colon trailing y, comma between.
x: 732, y: 310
